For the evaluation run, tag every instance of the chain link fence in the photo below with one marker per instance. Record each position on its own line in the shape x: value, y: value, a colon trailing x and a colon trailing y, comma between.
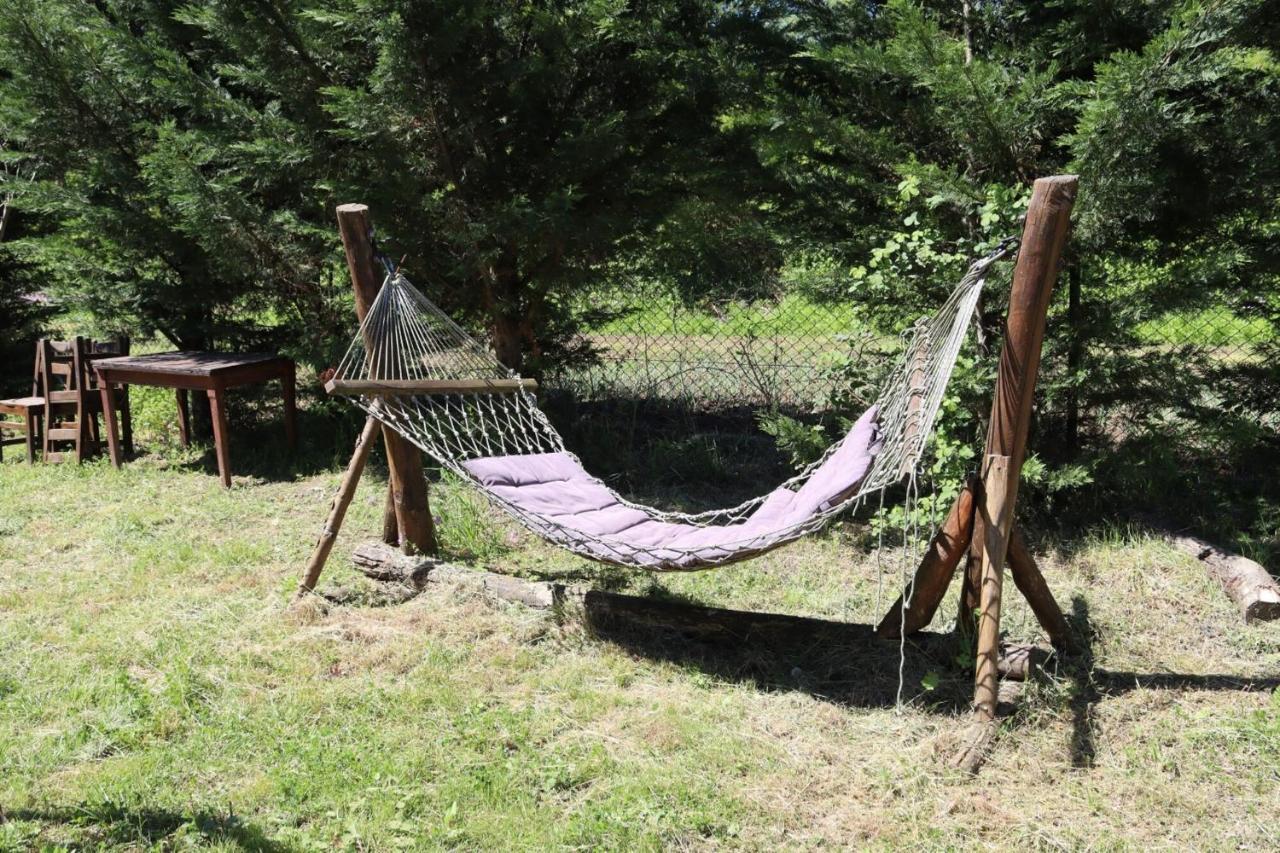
x: 787, y: 351
x: 781, y: 351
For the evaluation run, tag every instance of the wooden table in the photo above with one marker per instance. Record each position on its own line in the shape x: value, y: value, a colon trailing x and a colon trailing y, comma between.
x: 210, y: 372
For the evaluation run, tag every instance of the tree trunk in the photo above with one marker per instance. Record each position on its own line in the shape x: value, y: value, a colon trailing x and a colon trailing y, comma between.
x: 506, y: 302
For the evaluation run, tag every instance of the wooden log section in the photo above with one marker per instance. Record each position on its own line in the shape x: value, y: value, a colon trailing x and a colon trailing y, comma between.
x: 948, y: 547
x: 997, y: 520
x: 1031, y: 583
x: 338, y: 511
x: 380, y: 562
x: 408, y: 482
x: 413, y: 387
x: 1245, y: 582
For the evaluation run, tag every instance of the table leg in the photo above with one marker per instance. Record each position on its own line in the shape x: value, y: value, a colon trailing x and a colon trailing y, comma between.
x: 126, y: 420
x: 109, y: 414
x: 218, y: 411
x: 288, y: 382
x: 184, y: 417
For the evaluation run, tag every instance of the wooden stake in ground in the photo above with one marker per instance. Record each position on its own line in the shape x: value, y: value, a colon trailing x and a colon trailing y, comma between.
x: 338, y: 511
x: 408, y: 483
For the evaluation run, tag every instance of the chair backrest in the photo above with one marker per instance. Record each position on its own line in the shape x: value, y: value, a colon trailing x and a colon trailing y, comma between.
x: 55, y: 366
x: 68, y: 365
x: 85, y: 352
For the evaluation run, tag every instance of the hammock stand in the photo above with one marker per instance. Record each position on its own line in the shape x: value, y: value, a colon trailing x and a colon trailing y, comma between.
x: 978, y: 529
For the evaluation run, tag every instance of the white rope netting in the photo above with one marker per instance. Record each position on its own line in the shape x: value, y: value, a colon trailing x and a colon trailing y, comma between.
x: 407, y: 338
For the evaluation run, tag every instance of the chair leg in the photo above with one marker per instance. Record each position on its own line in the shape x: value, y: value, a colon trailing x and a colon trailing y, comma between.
x: 95, y: 437
x: 44, y: 434
x: 31, y: 436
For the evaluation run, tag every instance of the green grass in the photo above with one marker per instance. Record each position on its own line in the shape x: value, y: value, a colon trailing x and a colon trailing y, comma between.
x: 792, y: 315
x: 158, y: 691
x: 1210, y: 327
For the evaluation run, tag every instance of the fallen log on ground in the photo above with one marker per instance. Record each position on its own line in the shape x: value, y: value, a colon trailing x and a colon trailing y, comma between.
x: 381, y: 562
x: 1247, y: 583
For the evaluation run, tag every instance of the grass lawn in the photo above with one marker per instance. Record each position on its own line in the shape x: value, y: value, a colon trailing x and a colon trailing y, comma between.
x: 157, y: 690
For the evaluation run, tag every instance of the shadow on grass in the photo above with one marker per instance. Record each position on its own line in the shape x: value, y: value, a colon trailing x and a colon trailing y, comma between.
x: 258, y: 447
x: 838, y: 662
x: 111, y: 824
x: 1091, y: 685
x: 848, y: 665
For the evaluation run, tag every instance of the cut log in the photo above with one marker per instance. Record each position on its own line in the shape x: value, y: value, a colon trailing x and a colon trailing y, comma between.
x: 1246, y: 583
x: 381, y: 562
x: 1020, y: 661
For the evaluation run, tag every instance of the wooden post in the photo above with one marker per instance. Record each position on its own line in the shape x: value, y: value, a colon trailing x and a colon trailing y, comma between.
x: 1043, y: 237
x: 338, y: 511
x: 408, y: 483
x: 997, y: 517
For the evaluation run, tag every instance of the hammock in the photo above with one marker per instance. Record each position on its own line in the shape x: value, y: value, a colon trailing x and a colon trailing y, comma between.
x: 419, y: 373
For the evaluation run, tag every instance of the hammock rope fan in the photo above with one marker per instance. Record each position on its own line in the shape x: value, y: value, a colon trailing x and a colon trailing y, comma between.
x: 412, y: 368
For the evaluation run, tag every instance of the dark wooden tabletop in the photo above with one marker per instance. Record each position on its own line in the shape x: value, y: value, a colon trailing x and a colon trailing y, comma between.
x: 186, y: 363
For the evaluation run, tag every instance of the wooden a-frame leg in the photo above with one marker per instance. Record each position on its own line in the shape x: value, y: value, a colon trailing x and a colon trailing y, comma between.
x: 997, y: 517
x: 390, y: 528
x: 338, y: 511
x: 1031, y: 583
x: 948, y: 547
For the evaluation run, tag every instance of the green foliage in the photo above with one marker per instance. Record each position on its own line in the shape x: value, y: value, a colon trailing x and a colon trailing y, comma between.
x: 801, y: 442
x: 191, y: 159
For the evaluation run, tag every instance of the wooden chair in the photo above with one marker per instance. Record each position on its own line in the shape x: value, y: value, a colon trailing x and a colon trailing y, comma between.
x: 29, y: 410
x: 73, y: 400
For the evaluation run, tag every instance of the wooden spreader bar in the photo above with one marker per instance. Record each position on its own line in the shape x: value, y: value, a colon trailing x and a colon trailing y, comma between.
x: 415, y: 387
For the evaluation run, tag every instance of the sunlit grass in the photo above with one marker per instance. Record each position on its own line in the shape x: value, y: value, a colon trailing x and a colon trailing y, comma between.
x: 156, y: 690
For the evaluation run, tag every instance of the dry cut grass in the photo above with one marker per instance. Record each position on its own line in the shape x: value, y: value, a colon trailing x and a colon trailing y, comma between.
x: 156, y: 690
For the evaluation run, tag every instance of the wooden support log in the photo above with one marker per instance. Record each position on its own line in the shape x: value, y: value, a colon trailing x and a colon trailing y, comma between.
x: 997, y: 520
x: 944, y: 553
x: 381, y: 562
x: 1043, y: 237
x: 338, y: 510
x: 408, y: 482
x: 1031, y: 583
x: 1245, y: 582
x: 1020, y: 661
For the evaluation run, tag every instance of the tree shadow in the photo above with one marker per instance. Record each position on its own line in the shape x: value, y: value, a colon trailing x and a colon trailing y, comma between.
x: 112, y: 824
x: 258, y: 448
